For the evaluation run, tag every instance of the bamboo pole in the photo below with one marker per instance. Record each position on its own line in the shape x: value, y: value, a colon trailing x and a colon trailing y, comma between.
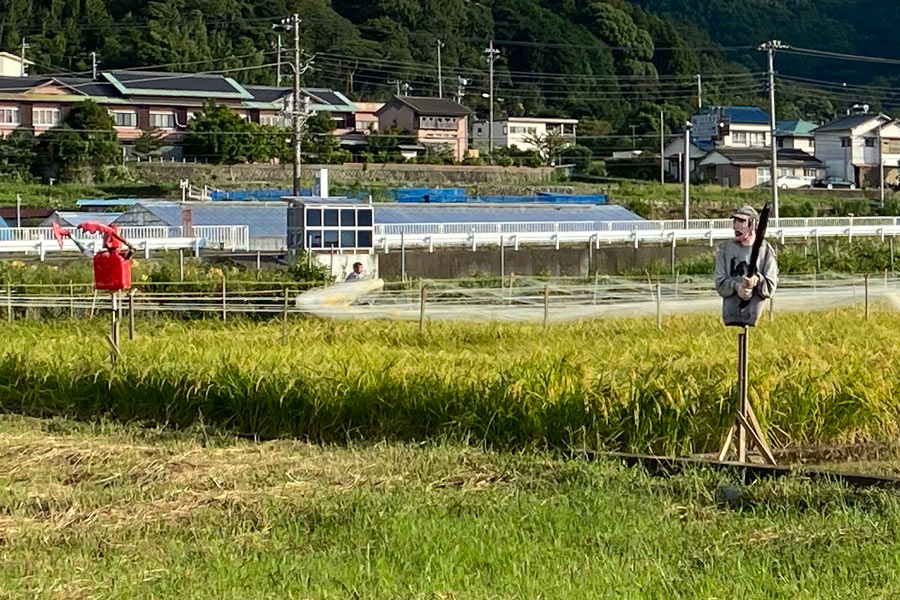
x: 658, y: 305
x: 9, y: 310
x: 867, y: 295
x: 71, y: 300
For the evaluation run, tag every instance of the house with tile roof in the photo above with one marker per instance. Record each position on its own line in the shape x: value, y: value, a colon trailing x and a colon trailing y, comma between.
x: 796, y: 134
x: 856, y: 145
x: 434, y: 122
x: 731, y: 127
x: 140, y: 100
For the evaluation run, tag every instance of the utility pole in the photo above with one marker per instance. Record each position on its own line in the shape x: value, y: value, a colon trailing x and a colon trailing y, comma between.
x: 397, y: 83
x: 633, y: 140
x: 662, y: 147
x: 770, y: 48
x: 278, y: 62
x: 300, y: 104
x: 93, y: 65
x: 687, y: 173
x: 699, y: 91
x: 440, y: 45
x: 24, y: 47
x: 491, y: 55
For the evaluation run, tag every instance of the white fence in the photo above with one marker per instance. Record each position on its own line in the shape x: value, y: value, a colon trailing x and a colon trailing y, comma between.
x: 40, y: 240
x: 430, y: 235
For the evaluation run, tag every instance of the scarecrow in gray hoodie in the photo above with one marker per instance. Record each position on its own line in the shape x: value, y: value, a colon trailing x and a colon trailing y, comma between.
x: 731, y: 270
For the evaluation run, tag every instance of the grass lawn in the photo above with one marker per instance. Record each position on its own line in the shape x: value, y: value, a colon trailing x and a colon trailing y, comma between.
x: 99, y: 510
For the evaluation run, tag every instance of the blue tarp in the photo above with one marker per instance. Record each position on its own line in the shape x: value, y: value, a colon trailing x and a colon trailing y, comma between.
x: 429, y: 194
x: 542, y: 198
x: 251, y: 195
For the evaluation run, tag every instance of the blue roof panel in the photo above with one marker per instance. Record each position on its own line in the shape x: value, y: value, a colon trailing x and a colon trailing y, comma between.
x: 487, y: 213
x: 81, y: 202
x: 748, y: 115
x: 3, y: 223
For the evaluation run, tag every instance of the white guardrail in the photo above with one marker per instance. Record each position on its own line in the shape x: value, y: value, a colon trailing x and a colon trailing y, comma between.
x: 40, y: 240
x: 431, y: 235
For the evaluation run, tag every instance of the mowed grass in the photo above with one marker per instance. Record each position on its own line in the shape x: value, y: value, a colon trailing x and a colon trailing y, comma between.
x: 109, y: 511
x: 614, y: 384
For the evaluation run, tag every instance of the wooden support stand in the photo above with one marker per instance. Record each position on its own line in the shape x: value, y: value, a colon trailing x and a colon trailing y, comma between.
x: 114, y: 352
x: 745, y: 423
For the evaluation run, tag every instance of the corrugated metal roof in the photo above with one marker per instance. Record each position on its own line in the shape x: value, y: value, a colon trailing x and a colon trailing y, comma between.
x: 106, y: 202
x: 794, y: 127
x: 265, y: 219
x: 390, y: 213
x: 74, y: 219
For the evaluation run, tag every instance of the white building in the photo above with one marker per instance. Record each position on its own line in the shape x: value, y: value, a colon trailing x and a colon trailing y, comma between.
x: 732, y: 127
x: 11, y: 65
x: 674, y: 157
x: 796, y: 134
x: 849, y: 147
x: 522, y: 131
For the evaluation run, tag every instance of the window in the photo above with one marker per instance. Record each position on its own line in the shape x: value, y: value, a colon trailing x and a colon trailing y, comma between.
x: 870, y: 142
x: 162, y: 120
x: 9, y: 115
x: 785, y: 172
x: 437, y: 122
x: 757, y: 139
x: 845, y: 142
x: 45, y: 116
x: 271, y: 120
x: 344, y: 227
x: 125, y: 119
x: 739, y: 137
x: 780, y: 142
x: 763, y: 175
x: 810, y: 172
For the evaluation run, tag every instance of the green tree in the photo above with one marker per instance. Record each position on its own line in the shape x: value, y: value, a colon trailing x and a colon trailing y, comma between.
x: 217, y: 134
x: 148, y: 143
x: 17, y: 154
x: 81, y: 145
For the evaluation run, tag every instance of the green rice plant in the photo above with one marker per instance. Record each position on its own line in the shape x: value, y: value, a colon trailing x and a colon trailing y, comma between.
x: 617, y: 383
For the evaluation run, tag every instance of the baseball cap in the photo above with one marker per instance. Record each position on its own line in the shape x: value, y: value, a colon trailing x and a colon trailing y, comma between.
x: 746, y: 212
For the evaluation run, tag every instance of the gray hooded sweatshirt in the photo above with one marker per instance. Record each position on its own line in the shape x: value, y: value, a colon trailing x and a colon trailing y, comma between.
x: 731, y: 267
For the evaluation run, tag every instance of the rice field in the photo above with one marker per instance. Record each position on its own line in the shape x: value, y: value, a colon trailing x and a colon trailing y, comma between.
x: 817, y: 378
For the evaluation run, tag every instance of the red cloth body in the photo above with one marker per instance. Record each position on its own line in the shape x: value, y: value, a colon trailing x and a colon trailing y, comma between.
x: 112, y: 271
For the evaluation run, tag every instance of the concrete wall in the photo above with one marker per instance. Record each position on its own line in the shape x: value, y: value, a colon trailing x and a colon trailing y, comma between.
x: 567, y: 261
x: 199, y: 173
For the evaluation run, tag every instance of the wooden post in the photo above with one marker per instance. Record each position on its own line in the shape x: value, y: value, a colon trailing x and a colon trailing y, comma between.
x: 224, y: 300
x: 114, y: 333
x: 181, y: 265
x: 93, y: 303
x: 546, y: 306
x: 422, y: 297
x: 658, y: 305
x: 892, y: 256
x: 71, y: 300
x: 502, y: 262
x: 867, y: 296
x: 258, y: 263
x: 771, y: 309
x: 9, y: 310
x: 742, y: 382
x: 284, y: 317
x: 131, y: 313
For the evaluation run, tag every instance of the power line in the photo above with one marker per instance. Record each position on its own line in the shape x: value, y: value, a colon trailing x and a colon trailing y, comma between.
x: 841, y: 56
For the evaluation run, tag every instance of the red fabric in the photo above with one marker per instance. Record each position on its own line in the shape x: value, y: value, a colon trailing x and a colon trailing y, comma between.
x: 112, y: 271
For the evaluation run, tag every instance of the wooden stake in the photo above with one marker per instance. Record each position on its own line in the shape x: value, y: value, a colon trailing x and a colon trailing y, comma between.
x: 181, y: 265
x: 93, y: 303
x: 658, y: 305
x: 131, y: 313
x: 867, y: 296
x: 546, y: 306
x: 771, y: 309
x: 224, y: 300
x: 71, y: 300
x: 422, y: 297
x: 9, y: 310
x: 284, y: 317
x: 114, y: 334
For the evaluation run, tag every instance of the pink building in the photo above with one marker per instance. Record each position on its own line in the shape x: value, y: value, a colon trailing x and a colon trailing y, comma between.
x: 434, y: 122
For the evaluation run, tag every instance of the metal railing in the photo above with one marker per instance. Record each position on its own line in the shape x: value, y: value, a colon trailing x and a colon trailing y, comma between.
x: 632, y: 232
x: 40, y: 240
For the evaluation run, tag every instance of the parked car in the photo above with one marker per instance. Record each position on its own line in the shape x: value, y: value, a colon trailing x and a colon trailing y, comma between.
x: 791, y: 182
x: 834, y: 182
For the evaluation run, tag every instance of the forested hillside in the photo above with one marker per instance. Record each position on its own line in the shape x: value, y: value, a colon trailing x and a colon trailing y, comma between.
x: 610, y: 62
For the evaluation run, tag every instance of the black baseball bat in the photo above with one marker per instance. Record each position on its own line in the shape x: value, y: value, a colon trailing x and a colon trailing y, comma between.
x: 757, y: 245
